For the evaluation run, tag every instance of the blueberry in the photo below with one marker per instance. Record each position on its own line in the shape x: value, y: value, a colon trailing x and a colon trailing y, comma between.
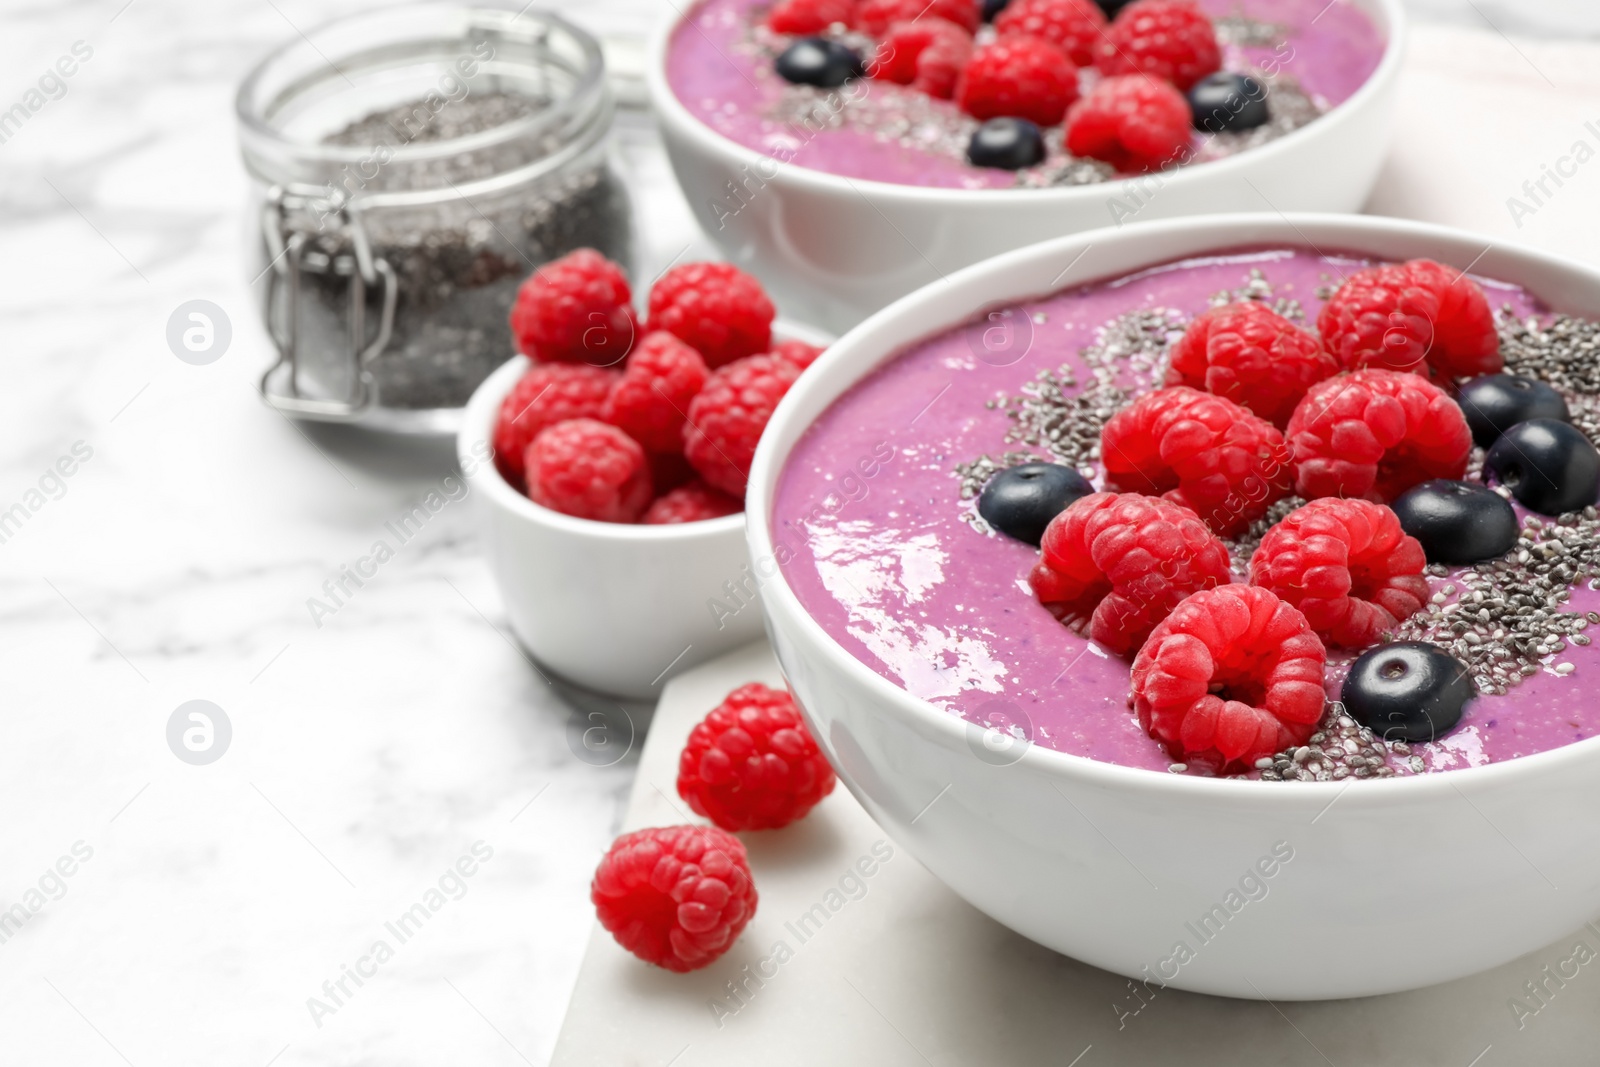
x: 1496, y: 402
x: 1410, y: 691
x: 992, y: 8
x: 1021, y: 501
x: 1009, y: 144
x: 1548, y: 465
x: 1226, y: 101
x: 1457, y: 522
x: 820, y: 62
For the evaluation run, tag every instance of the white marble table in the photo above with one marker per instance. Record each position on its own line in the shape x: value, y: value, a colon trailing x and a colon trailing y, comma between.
x: 207, y: 905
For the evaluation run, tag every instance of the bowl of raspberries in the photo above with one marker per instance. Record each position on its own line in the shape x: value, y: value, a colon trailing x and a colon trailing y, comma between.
x: 855, y: 150
x: 1143, y: 820
x: 620, y: 443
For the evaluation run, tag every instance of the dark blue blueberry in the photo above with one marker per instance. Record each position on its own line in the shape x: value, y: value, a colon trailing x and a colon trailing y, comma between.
x: 820, y: 62
x: 1410, y: 691
x: 1226, y: 101
x: 1021, y: 501
x: 1496, y: 402
x: 992, y: 8
x: 1548, y: 465
x: 1457, y: 522
x: 1009, y: 144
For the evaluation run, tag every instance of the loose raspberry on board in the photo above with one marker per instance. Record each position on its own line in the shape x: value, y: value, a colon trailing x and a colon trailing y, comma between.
x: 752, y: 764
x: 718, y: 309
x: 675, y: 896
x: 1132, y: 122
x: 1112, y: 565
x: 1202, y: 451
x: 1253, y: 356
x: 589, y: 470
x: 576, y: 309
x: 1374, y: 434
x: 1347, y: 565
x: 1231, y: 675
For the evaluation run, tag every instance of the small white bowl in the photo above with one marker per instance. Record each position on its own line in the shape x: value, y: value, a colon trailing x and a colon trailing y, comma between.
x: 612, y: 608
x: 1392, y: 884
x: 833, y: 250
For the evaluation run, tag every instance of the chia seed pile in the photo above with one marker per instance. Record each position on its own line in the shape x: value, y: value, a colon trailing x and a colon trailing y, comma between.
x: 921, y: 123
x: 1502, y: 618
x: 458, y: 262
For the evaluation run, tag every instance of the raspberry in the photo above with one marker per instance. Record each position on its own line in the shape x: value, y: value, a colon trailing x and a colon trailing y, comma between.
x: 1347, y: 565
x: 927, y: 54
x: 1074, y: 26
x: 1233, y: 674
x: 1018, y: 77
x: 1412, y: 316
x: 1253, y: 356
x: 675, y: 896
x: 1168, y: 39
x: 547, y: 394
x: 717, y: 308
x: 650, y: 400
x: 1374, y: 434
x: 806, y: 17
x: 1204, y: 452
x: 1111, y: 566
x: 799, y: 353
x: 1132, y: 122
x: 575, y: 309
x: 726, y: 419
x: 585, y: 468
x: 874, y: 17
x: 690, y: 503
x: 751, y: 764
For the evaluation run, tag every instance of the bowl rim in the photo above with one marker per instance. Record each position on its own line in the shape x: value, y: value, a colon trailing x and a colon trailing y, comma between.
x: 477, y: 425
x: 856, y: 349
x: 671, y: 112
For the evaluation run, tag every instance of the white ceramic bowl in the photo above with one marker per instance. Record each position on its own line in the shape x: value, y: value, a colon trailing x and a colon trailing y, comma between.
x: 1392, y: 884
x: 611, y: 608
x: 834, y: 250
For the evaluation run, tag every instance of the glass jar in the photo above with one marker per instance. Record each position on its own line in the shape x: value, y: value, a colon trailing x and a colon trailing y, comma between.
x: 410, y: 167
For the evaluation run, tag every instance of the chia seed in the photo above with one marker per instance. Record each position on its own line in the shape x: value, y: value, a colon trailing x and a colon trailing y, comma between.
x: 1339, y: 749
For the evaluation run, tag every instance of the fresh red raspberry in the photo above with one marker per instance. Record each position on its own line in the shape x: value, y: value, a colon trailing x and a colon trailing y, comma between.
x: 585, y: 468
x: 1412, y: 316
x: 1111, y: 566
x: 1168, y: 39
x: 874, y: 17
x: 1132, y: 122
x: 1074, y: 26
x: 1018, y: 77
x: 675, y: 896
x: 1231, y: 675
x: 799, y: 353
x: 1374, y: 434
x: 727, y: 417
x: 807, y: 17
x: 751, y: 764
x: 651, y: 399
x: 721, y: 311
x: 575, y: 309
x: 690, y: 503
x: 549, y: 393
x: 1347, y: 565
x: 1253, y: 356
x: 927, y: 54
x: 1204, y: 452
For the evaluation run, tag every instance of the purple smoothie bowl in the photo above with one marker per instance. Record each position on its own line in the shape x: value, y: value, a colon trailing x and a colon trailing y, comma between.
x: 836, y: 238
x: 1172, y: 879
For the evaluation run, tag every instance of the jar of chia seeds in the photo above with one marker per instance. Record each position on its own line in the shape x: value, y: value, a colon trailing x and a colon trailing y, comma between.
x: 410, y: 166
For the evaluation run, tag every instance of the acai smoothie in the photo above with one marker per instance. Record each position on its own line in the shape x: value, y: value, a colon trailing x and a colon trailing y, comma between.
x: 880, y: 510
x: 875, y: 94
